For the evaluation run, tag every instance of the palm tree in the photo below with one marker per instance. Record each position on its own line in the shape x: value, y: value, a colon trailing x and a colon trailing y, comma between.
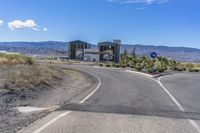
x: 173, y: 64
x: 163, y: 62
x: 134, y: 52
x: 149, y: 65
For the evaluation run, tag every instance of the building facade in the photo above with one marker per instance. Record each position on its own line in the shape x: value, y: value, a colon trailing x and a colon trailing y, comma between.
x: 76, y: 49
x: 106, y: 51
x: 110, y: 51
x: 91, y: 55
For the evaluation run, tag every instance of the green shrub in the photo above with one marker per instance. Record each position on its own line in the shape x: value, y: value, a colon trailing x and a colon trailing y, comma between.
x: 180, y: 69
x: 123, y: 66
x: 194, y: 70
x: 101, y: 65
x: 108, y: 65
x: 161, y: 70
x: 139, y: 67
x: 113, y: 65
x: 29, y: 60
x: 189, y: 66
x: 117, y: 65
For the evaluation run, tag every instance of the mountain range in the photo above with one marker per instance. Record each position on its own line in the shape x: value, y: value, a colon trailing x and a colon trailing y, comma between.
x: 50, y: 48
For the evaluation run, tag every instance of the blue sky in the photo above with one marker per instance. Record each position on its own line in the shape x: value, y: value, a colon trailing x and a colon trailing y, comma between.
x: 152, y: 22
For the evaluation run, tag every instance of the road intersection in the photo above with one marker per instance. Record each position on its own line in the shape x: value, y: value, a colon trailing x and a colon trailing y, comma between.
x: 125, y: 101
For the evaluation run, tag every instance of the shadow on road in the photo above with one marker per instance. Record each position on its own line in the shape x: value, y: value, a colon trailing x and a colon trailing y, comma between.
x: 130, y: 110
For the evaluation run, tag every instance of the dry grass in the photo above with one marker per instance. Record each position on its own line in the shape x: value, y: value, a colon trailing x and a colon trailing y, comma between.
x: 27, y: 76
x: 15, y: 59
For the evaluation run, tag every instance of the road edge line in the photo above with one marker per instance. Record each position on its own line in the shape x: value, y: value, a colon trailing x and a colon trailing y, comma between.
x: 192, y: 122
x: 88, y: 96
x: 141, y: 73
x: 51, y: 122
x: 68, y: 112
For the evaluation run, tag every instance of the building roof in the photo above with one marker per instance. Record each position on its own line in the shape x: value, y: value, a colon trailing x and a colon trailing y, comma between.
x: 77, y: 41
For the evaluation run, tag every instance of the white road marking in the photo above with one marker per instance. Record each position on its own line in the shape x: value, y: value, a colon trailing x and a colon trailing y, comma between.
x: 51, y: 122
x: 29, y: 109
x: 144, y: 74
x: 26, y: 109
x: 193, y: 123
x: 68, y: 112
x: 170, y: 95
x: 87, y: 97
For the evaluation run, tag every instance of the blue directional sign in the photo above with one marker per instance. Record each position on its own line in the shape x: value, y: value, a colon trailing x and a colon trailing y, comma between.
x: 153, y: 55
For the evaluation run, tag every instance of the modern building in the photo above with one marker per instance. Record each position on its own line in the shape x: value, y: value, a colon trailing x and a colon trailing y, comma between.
x: 106, y: 51
x: 91, y: 55
x: 110, y: 51
x: 76, y: 49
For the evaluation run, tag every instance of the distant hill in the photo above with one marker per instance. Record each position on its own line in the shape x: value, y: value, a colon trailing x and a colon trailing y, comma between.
x: 50, y: 48
x: 176, y: 53
x: 34, y: 48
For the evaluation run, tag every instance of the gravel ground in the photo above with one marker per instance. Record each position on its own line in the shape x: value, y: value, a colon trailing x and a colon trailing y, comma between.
x: 42, y: 95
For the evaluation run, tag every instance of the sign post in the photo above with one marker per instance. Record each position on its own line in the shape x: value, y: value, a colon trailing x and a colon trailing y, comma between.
x: 153, y: 56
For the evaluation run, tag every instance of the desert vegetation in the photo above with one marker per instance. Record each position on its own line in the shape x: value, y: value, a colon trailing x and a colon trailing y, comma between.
x: 147, y: 64
x: 21, y: 72
x: 15, y: 59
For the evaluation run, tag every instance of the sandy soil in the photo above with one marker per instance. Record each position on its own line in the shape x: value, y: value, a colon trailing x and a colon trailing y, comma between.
x: 60, y: 92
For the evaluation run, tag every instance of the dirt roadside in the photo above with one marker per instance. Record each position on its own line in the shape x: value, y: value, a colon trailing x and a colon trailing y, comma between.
x: 42, y: 96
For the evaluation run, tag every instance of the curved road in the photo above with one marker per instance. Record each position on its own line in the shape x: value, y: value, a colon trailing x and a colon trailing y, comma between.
x: 125, y: 103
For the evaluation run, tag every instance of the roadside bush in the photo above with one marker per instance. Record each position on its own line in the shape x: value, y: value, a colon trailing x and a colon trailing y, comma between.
x: 197, y: 65
x: 180, y: 69
x: 132, y: 66
x: 113, y: 65
x: 108, y: 65
x: 152, y: 70
x: 117, y: 65
x: 194, y: 70
x: 138, y: 67
x: 123, y: 66
x: 161, y: 70
x: 101, y: 65
x: 189, y: 66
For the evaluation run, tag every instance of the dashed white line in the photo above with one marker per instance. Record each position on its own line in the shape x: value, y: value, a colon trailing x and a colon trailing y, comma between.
x: 68, y: 112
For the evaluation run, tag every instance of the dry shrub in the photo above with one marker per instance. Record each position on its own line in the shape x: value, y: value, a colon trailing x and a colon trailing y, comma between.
x: 27, y: 76
x: 15, y: 59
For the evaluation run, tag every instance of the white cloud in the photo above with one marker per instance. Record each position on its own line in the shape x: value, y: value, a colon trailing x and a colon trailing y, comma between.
x: 45, y: 29
x: 1, y: 22
x: 18, y: 24
x: 139, y: 1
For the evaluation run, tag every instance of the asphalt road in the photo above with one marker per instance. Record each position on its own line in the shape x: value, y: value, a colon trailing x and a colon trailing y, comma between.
x: 128, y: 103
x: 186, y: 88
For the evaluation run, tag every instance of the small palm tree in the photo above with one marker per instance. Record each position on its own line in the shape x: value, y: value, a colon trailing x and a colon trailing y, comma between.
x: 173, y: 64
x: 163, y: 62
x: 149, y: 65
